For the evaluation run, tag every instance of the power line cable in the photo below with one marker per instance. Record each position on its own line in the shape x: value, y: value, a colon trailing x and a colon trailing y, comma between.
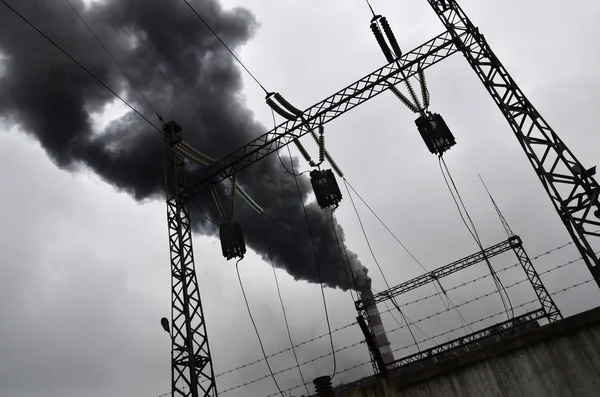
x: 473, y: 232
x: 370, y: 7
x: 402, y: 245
x: 80, y: 65
x: 287, y: 325
x: 225, y: 45
x: 115, y: 61
x: 375, y: 258
x: 318, y: 266
x: 413, y: 302
x: 254, y: 325
x: 497, y: 280
x: 468, y: 325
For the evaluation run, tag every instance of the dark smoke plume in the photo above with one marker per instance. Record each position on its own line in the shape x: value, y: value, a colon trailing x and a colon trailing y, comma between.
x: 189, y: 77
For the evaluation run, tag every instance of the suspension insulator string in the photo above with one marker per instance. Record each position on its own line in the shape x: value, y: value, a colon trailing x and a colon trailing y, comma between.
x: 249, y: 200
x: 279, y: 110
x: 232, y: 198
x: 412, y: 93
x: 215, y: 196
x: 390, y: 36
x: 424, y: 89
x: 303, y: 151
x: 381, y: 41
x: 403, y: 98
x: 321, y: 144
x: 288, y: 106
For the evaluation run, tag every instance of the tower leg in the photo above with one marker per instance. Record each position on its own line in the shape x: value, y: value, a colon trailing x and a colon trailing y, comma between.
x: 550, y: 308
x: 571, y: 187
x: 192, y: 369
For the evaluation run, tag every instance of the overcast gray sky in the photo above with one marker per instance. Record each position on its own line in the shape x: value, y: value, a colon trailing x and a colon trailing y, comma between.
x: 84, y: 276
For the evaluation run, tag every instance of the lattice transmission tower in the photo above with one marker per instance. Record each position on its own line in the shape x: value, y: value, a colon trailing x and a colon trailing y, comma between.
x: 571, y: 187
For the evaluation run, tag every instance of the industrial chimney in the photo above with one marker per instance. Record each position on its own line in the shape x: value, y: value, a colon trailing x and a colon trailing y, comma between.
x: 374, y: 319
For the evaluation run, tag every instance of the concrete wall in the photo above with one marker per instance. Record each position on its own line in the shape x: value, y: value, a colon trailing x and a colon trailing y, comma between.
x: 561, y: 360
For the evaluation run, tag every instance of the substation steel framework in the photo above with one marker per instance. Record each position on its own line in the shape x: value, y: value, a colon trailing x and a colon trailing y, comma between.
x: 571, y: 187
x: 548, y: 309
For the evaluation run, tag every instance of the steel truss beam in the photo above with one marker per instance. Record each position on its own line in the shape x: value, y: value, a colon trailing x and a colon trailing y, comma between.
x: 469, y: 342
x: 435, y: 275
x: 325, y: 111
x: 192, y: 369
x: 550, y: 308
x: 572, y: 188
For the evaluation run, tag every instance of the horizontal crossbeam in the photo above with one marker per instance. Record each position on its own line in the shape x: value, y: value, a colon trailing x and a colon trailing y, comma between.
x: 323, y: 112
x: 434, y: 275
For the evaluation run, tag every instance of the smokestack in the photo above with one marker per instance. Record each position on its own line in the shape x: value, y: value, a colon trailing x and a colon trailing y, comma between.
x: 374, y: 319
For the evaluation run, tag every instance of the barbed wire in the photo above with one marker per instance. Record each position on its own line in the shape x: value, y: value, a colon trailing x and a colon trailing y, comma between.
x: 285, y: 350
x: 463, y: 326
x: 486, y: 276
x: 294, y: 367
x: 389, y: 310
x: 447, y: 332
x: 411, y: 323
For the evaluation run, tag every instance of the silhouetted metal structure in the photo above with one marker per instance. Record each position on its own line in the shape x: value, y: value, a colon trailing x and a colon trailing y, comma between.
x: 571, y: 187
x: 548, y: 309
x: 192, y: 369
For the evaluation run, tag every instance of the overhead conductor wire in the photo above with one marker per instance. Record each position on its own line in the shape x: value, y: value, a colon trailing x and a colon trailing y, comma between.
x: 474, y: 234
x: 377, y: 262
x: 224, y: 45
x: 287, y: 325
x: 439, y: 293
x: 318, y: 266
x: 262, y: 348
x: 115, y: 61
x: 80, y: 65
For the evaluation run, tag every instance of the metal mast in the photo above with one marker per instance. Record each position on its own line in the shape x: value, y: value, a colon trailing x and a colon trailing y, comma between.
x: 571, y: 187
x: 192, y: 370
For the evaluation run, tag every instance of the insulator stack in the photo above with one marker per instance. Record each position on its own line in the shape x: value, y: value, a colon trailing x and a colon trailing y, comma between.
x: 412, y: 93
x: 390, y: 36
x: 288, y: 106
x: 381, y: 41
x: 232, y: 198
x: 280, y: 111
x: 325, y: 187
x: 215, y: 196
x: 424, y: 90
x: 323, y: 386
x: 249, y: 200
x: 232, y: 240
x: 403, y: 98
x: 334, y: 165
x: 321, y: 144
x: 302, y: 151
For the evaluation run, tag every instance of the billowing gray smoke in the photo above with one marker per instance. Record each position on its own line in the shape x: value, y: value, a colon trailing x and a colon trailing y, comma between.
x: 189, y: 77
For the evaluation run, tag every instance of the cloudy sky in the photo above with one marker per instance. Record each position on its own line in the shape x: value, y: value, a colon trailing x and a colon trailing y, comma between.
x: 84, y: 276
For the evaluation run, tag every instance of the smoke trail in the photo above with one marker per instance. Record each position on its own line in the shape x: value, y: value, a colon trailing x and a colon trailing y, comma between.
x: 188, y: 76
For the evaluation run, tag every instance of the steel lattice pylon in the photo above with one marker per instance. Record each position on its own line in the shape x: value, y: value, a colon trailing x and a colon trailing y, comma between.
x: 192, y: 369
x: 572, y: 188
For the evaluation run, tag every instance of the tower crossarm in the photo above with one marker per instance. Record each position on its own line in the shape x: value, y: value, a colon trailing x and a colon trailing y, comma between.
x: 430, y: 53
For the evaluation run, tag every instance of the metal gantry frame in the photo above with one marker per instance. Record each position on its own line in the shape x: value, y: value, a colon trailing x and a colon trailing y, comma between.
x: 548, y: 309
x: 571, y: 187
